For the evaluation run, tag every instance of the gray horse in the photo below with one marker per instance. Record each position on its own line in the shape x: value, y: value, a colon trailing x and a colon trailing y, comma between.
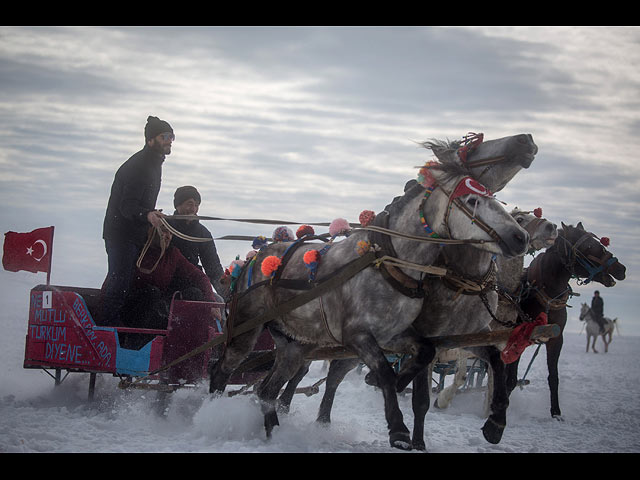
x: 593, y: 328
x: 357, y: 314
x: 542, y: 234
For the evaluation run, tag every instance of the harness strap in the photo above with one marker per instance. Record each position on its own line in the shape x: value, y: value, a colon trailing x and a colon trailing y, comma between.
x: 343, y: 275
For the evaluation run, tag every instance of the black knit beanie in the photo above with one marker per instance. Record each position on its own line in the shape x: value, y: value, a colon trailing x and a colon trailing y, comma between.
x: 155, y: 127
x: 185, y: 193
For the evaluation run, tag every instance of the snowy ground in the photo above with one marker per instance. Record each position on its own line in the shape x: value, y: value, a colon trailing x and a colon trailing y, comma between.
x: 598, y: 394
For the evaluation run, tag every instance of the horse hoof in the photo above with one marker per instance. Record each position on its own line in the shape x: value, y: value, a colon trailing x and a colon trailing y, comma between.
x: 419, y: 445
x: 400, y: 440
x: 558, y: 417
x: 371, y: 379
x: 270, y: 422
x: 492, y: 431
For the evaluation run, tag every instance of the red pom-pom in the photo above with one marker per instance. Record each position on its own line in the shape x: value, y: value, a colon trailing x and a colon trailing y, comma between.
x: 304, y: 230
x: 311, y: 256
x: 605, y: 241
x: 538, y: 212
x: 270, y: 265
x: 366, y: 217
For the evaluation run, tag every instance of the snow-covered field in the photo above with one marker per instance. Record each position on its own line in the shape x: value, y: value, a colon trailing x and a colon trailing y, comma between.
x: 598, y: 394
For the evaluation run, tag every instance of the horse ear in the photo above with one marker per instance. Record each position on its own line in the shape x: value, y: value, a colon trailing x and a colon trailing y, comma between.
x: 579, y: 225
x: 564, y: 227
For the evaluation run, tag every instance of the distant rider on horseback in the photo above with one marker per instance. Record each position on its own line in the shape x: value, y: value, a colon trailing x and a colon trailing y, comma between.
x: 597, y: 307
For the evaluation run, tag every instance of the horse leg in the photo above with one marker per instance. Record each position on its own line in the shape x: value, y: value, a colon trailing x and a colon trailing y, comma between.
x: 512, y: 376
x: 588, y: 340
x: 593, y: 345
x: 367, y: 348
x: 422, y: 353
x: 284, y: 402
x: 337, y: 371
x: 446, y: 395
x: 554, y: 346
x: 289, y: 361
x: 235, y: 352
x: 497, y: 421
x: 420, y: 405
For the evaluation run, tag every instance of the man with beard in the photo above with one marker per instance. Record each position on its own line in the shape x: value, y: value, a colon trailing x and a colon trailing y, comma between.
x: 131, y: 210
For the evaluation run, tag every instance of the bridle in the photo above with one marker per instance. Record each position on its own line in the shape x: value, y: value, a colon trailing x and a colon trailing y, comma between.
x: 592, y: 264
x: 459, y: 204
x: 470, y: 142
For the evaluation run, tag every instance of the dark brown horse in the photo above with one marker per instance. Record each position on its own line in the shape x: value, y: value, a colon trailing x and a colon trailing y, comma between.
x: 576, y: 254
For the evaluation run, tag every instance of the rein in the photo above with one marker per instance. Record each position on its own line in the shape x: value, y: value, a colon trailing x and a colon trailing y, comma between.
x: 593, y: 265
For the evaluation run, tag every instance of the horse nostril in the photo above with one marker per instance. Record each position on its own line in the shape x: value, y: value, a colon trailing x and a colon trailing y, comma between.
x: 521, y: 239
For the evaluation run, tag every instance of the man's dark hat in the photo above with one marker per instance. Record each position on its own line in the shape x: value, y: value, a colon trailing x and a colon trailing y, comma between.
x: 155, y: 127
x: 185, y: 193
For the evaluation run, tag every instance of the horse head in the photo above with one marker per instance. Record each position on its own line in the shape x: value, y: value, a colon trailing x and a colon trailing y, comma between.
x: 493, y: 163
x: 584, y: 311
x: 462, y: 208
x: 586, y: 256
x: 542, y: 232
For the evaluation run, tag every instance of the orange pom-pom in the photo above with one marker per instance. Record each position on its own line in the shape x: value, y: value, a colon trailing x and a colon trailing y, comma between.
x: 311, y: 257
x: 270, y: 265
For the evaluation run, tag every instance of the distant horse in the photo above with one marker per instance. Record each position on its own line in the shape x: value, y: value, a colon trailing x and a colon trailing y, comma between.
x: 542, y: 234
x: 577, y: 254
x: 357, y: 313
x: 593, y: 328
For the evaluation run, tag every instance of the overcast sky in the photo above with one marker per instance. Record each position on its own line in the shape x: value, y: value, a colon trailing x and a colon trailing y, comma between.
x: 313, y: 123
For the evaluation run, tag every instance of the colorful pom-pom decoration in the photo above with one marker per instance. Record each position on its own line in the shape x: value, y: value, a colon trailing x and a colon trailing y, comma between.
x: 305, y: 230
x: 366, y: 217
x: 282, y: 234
x: 605, y: 241
x: 311, y: 258
x: 425, y: 177
x: 270, y: 265
x: 363, y: 247
x: 339, y: 227
x: 259, y: 242
x: 538, y: 212
x: 235, y: 268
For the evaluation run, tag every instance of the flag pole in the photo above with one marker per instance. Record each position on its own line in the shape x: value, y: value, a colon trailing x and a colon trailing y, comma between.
x: 50, y: 257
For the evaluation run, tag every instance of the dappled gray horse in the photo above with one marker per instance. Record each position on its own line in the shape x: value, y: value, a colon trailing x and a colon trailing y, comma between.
x: 593, y: 328
x: 357, y: 313
x: 542, y: 234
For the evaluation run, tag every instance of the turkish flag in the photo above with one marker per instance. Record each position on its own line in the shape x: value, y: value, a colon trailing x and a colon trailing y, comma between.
x: 469, y: 185
x: 28, y: 251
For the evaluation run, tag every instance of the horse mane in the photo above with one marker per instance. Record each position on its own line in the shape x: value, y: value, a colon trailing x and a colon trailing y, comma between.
x: 445, y: 150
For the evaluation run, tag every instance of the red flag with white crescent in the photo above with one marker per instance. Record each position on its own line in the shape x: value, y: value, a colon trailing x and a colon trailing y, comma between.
x: 29, y: 251
x: 468, y: 185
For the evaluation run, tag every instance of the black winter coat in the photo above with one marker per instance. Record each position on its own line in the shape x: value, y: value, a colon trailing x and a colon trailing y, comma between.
x: 597, y: 305
x: 133, y: 194
x: 204, y: 253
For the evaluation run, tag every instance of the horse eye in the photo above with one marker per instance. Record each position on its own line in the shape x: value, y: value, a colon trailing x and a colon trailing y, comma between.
x: 519, y: 219
x: 472, y: 201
